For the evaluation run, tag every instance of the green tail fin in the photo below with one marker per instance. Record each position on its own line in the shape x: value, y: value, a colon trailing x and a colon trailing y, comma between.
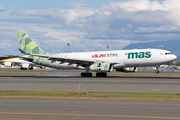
x: 28, y: 45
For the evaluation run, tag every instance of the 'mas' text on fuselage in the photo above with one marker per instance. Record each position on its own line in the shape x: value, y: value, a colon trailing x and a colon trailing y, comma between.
x: 133, y: 55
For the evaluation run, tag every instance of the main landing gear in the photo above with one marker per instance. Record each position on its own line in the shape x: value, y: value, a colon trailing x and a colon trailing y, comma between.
x: 84, y: 74
x: 98, y: 74
x: 89, y: 74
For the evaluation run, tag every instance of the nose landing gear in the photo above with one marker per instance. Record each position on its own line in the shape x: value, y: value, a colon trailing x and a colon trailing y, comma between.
x: 157, y: 69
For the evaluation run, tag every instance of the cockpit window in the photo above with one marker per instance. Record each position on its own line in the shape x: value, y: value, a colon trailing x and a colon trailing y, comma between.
x: 168, y: 53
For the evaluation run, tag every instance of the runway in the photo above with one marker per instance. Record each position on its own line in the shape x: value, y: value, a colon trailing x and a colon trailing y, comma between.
x: 109, y: 84
x: 64, y: 109
x: 65, y: 80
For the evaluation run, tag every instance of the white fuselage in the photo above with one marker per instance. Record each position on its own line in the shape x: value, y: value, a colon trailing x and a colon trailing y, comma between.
x: 127, y: 58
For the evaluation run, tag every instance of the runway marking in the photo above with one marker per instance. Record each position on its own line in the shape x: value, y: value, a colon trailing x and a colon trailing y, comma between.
x: 90, y: 115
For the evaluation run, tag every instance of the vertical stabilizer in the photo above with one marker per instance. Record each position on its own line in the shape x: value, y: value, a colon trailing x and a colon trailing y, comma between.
x: 27, y: 44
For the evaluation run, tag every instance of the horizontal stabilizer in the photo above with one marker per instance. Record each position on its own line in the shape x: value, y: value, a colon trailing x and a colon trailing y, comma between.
x: 23, y: 52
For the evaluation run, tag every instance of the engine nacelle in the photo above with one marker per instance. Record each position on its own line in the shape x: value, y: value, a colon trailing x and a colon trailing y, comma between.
x: 8, y: 64
x: 127, y: 69
x: 101, y: 67
x: 25, y: 65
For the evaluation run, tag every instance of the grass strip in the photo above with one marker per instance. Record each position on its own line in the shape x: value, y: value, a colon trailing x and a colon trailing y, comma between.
x: 90, y: 95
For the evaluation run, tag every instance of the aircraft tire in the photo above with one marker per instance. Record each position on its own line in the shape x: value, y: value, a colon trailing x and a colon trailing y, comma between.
x: 98, y: 74
x: 89, y: 74
x: 157, y: 71
x: 104, y: 74
x: 83, y: 75
x: 86, y: 74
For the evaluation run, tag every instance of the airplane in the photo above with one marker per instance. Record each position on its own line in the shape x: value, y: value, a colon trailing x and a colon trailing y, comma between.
x: 100, y: 62
x: 17, y: 61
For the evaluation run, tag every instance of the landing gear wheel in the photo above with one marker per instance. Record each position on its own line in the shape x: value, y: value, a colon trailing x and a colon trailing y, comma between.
x: 98, y: 75
x: 86, y: 74
x: 157, y: 71
x: 89, y: 74
x: 83, y: 74
x: 104, y: 74
x: 101, y: 74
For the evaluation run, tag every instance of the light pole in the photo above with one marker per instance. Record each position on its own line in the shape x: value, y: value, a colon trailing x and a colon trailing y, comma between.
x: 68, y: 46
x: 108, y: 47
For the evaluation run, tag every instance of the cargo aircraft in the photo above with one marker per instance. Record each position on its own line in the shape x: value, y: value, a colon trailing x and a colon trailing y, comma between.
x: 100, y: 62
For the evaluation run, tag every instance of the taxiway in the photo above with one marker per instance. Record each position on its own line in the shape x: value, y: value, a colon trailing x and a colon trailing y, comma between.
x: 65, y: 109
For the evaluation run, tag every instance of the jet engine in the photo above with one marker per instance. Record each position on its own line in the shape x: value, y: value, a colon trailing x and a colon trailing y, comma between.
x: 8, y: 64
x: 127, y: 69
x: 101, y: 67
x: 25, y: 66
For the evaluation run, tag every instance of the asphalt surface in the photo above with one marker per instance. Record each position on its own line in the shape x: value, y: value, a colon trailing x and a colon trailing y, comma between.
x: 108, y: 84
x: 65, y: 109
x: 65, y: 80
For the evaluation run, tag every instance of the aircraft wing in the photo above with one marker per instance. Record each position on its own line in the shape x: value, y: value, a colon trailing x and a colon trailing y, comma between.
x: 72, y: 60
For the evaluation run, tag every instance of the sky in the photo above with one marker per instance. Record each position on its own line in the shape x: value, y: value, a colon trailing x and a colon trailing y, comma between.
x: 87, y: 25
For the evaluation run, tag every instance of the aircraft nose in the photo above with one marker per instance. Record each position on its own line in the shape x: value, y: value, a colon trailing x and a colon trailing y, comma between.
x: 174, y: 57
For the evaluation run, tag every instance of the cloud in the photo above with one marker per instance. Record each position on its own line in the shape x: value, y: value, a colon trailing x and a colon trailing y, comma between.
x: 115, y: 23
x: 78, y: 5
x: 4, y: 12
x: 52, y: 39
x: 113, y: 15
x: 161, y: 29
